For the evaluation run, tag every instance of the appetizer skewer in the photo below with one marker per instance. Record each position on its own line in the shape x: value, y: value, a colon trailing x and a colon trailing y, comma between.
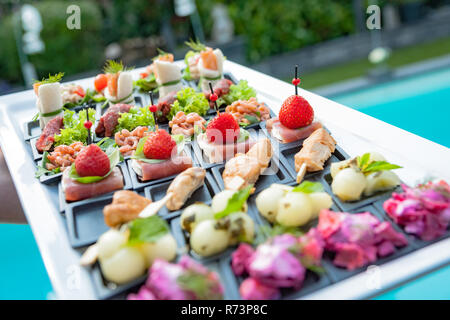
x: 316, y: 149
x: 168, y: 77
x: 244, y: 169
x: 120, y: 83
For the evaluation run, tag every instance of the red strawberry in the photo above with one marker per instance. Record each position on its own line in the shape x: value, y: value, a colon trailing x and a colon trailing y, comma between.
x: 92, y: 161
x: 296, y: 112
x: 159, y: 145
x: 222, y: 129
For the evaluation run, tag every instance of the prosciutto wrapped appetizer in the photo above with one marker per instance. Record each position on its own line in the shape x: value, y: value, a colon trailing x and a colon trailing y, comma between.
x: 94, y: 173
x: 49, y: 99
x: 168, y: 77
x: 357, y: 239
x: 119, y: 83
x: 223, y: 139
x: 160, y: 155
x: 185, y: 280
x: 423, y: 211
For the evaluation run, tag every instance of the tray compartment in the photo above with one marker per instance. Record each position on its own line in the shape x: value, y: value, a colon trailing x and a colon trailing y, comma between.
x: 275, y: 173
x: 127, y: 186
x: 202, y: 194
x: 31, y: 129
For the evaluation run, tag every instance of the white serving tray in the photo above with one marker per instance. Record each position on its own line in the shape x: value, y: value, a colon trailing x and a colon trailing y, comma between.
x: 354, y: 131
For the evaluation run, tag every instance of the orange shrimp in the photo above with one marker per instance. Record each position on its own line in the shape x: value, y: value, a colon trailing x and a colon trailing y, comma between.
x: 209, y: 59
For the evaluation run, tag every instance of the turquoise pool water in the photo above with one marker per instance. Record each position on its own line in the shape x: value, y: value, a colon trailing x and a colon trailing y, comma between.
x: 420, y: 105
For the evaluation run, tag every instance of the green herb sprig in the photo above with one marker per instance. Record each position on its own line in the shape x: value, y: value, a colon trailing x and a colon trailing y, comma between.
x: 235, y: 203
x: 51, y: 78
x: 366, y: 166
x: 147, y: 230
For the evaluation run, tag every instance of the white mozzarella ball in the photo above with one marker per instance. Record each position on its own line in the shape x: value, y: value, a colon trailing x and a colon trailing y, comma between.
x: 125, y: 265
x: 349, y: 184
x: 164, y: 248
x: 242, y: 228
x: 220, y: 201
x: 110, y: 242
x: 319, y: 201
x: 195, y: 214
x: 267, y: 202
x: 208, y: 239
x: 380, y: 181
x: 294, y: 209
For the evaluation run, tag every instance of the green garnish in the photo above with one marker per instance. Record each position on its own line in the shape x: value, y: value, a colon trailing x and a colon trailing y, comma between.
x: 196, y: 45
x: 51, y: 78
x: 188, y: 101
x: 145, y: 230
x: 42, y: 168
x: 243, y: 135
x: 235, y: 203
x: 308, y: 187
x: 114, y: 158
x: 160, y: 53
x: 366, y: 166
x: 278, y: 229
x: 240, y: 91
x: 198, y: 284
x: 139, y: 153
x: 251, y: 119
x: 112, y: 66
x: 134, y: 118
x: 74, y: 129
x: 146, y: 84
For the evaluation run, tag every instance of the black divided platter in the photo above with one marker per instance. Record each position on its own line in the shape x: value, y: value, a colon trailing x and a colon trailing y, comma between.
x: 85, y: 223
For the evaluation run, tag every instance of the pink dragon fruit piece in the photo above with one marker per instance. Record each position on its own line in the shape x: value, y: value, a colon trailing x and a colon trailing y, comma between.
x: 163, y: 280
x: 241, y: 258
x: 187, y: 280
x: 252, y: 289
x: 312, y: 246
x: 423, y: 211
x: 144, y: 293
x: 359, y: 239
x: 274, y: 265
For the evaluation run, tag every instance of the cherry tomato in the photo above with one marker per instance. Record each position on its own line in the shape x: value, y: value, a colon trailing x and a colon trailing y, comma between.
x: 80, y: 91
x: 100, y: 82
x: 144, y: 75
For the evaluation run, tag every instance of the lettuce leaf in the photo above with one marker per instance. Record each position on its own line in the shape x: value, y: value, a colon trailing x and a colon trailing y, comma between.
x: 114, y: 158
x: 74, y: 129
x: 240, y: 91
x: 188, y: 101
x: 134, y: 118
x: 146, y: 84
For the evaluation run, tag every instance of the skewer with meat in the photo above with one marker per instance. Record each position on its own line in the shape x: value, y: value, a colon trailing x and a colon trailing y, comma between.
x: 316, y: 149
x: 128, y: 205
x: 164, y: 105
x: 220, y: 88
x: 244, y: 169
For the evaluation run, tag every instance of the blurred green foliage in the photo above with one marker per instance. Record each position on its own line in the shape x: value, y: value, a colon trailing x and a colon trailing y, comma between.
x: 273, y: 27
x: 70, y: 51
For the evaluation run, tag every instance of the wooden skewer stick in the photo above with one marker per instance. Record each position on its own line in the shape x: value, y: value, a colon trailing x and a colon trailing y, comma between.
x: 154, y: 207
x: 301, y: 173
x: 89, y: 256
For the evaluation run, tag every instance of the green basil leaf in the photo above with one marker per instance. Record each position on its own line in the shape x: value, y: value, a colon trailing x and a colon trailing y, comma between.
x: 380, y: 166
x: 235, y: 203
x: 308, y: 187
x: 243, y: 135
x: 145, y: 230
x: 363, y: 160
x: 251, y: 119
